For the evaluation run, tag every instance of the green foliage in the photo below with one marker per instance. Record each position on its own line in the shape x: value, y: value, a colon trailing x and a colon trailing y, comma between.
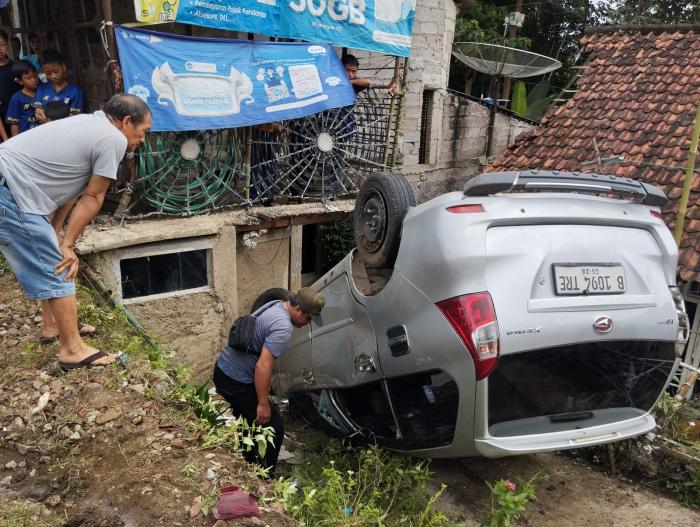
x: 509, y: 499
x: 337, y: 240
x: 518, y: 96
x: 686, y: 490
x: 671, y: 417
x: 4, y: 265
x: 369, y: 488
x: 202, y: 404
x: 237, y: 435
x: 539, y: 99
x: 553, y: 29
x: 483, y: 22
x: 656, y: 12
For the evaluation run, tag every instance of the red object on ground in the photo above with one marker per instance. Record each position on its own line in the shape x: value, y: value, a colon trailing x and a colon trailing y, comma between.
x: 235, y: 503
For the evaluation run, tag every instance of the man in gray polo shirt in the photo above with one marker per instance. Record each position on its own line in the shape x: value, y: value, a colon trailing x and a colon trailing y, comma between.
x: 243, y: 379
x: 42, y: 171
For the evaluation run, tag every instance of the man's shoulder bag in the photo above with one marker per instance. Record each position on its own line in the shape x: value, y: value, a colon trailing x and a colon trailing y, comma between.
x: 240, y: 336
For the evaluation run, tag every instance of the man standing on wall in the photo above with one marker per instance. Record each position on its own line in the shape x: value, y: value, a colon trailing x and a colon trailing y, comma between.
x: 41, y: 172
x: 243, y: 379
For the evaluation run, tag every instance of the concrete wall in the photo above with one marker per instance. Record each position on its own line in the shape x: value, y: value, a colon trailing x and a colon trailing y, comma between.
x: 248, y: 251
x: 262, y: 261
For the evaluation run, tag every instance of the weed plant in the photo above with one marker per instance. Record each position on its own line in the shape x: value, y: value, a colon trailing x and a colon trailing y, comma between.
x: 509, y: 499
x: 363, y: 488
x: 337, y: 240
x: 143, y: 356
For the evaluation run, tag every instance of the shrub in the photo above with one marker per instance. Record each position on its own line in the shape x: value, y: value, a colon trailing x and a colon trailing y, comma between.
x: 509, y: 499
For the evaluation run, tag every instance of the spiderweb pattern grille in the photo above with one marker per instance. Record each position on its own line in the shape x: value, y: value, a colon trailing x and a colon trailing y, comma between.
x: 324, y: 155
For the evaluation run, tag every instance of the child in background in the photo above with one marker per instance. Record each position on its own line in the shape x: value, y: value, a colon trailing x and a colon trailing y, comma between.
x: 56, y: 110
x: 15, y: 47
x: 33, y: 57
x: 58, y: 88
x: 20, y: 110
x: 7, y: 84
x: 351, y: 65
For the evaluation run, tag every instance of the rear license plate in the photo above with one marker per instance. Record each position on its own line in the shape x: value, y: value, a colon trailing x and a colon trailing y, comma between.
x: 597, y: 279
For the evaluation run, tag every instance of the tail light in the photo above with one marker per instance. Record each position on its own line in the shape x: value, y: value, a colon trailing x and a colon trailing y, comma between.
x: 474, y: 319
x: 467, y: 208
x: 683, y: 321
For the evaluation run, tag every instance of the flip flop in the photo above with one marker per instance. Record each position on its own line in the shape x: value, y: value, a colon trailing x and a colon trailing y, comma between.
x: 51, y: 340
x: 87, y: 362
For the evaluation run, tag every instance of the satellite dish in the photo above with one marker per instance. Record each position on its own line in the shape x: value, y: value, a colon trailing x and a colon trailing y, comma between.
x: 503, y: 61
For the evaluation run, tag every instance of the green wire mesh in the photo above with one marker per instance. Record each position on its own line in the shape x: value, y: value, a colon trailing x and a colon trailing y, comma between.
x: 190, y: 172
x: 317, y: 157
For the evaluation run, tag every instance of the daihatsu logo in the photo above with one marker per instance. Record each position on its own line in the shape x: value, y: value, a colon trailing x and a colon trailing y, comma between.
x: 602, y: 324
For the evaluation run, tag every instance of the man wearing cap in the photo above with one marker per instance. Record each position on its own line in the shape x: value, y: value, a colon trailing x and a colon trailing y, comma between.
x: 243, y: 379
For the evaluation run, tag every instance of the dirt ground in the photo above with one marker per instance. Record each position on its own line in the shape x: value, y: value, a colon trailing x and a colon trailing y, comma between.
x: 570, y: 494
x: 94, y: 450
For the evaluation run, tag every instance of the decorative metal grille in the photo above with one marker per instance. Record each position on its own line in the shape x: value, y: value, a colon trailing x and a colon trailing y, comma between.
x: 317, y: 157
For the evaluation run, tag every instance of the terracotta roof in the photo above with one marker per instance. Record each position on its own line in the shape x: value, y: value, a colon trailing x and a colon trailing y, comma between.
x: 637, y: 97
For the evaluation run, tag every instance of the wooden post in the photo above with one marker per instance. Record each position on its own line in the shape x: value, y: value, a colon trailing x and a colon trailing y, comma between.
x: 598, y: 164
x: 115, y: 71
x: 688, y: 182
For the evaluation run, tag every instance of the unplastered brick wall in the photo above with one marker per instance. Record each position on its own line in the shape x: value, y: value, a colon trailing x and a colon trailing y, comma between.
x: 465, y: 128
x: 428, y: 69
x: 463, y: 146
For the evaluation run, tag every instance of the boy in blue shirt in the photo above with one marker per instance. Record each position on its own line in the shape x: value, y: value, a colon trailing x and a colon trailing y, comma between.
x: 20, y: 110
x: 57, y: 88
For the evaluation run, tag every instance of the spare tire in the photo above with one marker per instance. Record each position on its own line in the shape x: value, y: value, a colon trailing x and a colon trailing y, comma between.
x: 274, y: 293
x: 382, y: 203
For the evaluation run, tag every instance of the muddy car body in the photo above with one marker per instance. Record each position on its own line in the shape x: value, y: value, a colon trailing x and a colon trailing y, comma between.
x: 510, y: 322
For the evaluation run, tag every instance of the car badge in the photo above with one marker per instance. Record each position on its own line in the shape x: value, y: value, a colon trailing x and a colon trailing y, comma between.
x: 602, y: 324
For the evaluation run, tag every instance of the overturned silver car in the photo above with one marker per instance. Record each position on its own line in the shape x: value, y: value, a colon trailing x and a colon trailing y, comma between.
x: 534, y: 311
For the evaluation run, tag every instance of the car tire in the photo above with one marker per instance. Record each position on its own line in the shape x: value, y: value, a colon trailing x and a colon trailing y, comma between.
x: 382, y: 203
x: 274, y: 293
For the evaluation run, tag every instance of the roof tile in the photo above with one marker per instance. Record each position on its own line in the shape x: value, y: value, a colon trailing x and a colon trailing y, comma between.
x: 638, y: 97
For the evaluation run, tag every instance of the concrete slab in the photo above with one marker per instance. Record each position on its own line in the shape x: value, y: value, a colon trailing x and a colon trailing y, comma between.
x: 106, y: 234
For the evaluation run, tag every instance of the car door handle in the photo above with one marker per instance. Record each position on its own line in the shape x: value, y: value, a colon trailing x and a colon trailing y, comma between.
x: 308, y: 375
x: 364, y: 363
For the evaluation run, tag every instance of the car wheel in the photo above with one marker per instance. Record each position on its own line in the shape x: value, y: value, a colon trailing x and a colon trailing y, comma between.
x: 274, y: 293
x: 382, y: 203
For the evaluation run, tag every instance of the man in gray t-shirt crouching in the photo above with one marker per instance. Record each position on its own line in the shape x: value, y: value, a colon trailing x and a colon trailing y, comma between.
x: 42, y: 171
x: 243, y: 379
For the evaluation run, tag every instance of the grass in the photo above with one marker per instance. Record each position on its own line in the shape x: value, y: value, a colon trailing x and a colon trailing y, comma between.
x: 4, y: 266
x: 26, y: 514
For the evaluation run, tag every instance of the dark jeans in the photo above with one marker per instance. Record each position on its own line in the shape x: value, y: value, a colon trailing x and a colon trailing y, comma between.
x: 244, y: 402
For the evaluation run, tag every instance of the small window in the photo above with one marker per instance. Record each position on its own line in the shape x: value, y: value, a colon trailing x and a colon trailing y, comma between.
x: 163, y: 273
x: 426, y: 122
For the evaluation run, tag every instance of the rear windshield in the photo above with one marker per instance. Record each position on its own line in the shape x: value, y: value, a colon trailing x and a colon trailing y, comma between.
x: 566, y: 380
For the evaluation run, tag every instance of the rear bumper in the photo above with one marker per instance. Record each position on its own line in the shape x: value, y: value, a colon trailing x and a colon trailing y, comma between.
x: 493, y: 447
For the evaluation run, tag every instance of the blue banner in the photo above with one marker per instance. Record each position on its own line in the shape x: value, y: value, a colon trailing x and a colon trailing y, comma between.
x: 203, y: 84
x: 385, y: 26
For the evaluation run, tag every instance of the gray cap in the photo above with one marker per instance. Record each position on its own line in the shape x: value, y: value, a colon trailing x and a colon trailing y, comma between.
x: 310, y: 301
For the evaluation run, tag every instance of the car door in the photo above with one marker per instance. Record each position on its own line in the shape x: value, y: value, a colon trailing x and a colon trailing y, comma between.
x: 293, y: 368
x: 343, y: 343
